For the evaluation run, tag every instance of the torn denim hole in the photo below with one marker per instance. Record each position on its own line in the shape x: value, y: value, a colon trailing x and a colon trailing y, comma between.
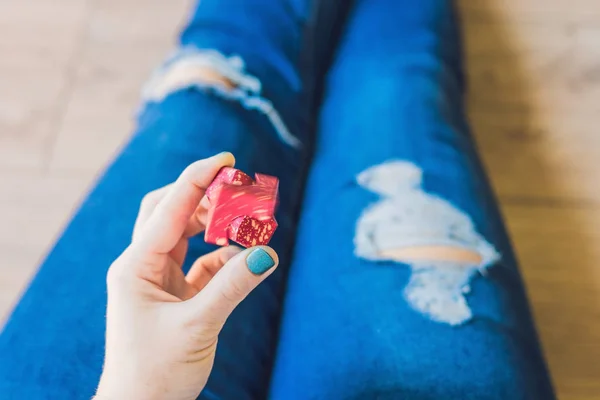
x: 180, y: 71
x: 408, y: 218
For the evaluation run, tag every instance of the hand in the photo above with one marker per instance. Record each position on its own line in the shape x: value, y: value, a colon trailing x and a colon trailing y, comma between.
x: 162, y: 325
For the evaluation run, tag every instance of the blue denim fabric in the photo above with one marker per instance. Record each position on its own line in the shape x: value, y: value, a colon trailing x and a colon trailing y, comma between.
x: 395, y: 92
x: 52, y: 346
x: 350, y: 330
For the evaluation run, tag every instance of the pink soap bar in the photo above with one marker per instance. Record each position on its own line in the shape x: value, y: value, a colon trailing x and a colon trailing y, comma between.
x: 242, y: 209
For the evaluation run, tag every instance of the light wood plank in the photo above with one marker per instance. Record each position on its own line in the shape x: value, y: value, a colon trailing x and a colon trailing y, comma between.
x: 125, y: 42
x: 38, y: 42
x: 558, y: 247
x: 34, y: 206
x: 532, y: 11
x: 534, y: 94
x: 550, y: 157
x: 547, y: 67
x: 505, y: 38
x: 17, y: 266
x: 33, y: 209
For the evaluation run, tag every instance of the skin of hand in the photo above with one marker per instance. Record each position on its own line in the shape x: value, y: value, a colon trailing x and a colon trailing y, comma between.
x: 162, y: 325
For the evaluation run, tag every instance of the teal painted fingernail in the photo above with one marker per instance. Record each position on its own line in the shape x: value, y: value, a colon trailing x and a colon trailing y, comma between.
x: 259, y: 261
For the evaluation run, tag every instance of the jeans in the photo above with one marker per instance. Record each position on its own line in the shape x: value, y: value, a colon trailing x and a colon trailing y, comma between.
x: 357, y: 107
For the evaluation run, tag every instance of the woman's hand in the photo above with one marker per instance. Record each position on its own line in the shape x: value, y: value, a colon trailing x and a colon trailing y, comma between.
x: 162, y: 325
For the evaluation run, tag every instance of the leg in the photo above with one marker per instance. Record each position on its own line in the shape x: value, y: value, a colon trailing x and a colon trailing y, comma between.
x: 404, y: 284
x: 201, y: 102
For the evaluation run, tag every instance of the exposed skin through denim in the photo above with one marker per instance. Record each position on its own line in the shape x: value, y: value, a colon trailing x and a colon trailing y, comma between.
x: 432, y: 253
x: 209, y: 76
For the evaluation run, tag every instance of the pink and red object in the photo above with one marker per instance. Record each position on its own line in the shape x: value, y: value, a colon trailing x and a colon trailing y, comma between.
x: 242, y: 209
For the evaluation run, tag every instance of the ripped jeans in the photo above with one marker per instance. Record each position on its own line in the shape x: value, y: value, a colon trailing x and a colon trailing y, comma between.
x: 397, y: 279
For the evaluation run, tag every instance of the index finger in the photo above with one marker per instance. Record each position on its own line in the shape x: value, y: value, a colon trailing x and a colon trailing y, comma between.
x: 170, y: 218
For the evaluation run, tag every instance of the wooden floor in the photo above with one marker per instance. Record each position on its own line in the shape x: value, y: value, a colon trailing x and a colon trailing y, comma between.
x: 70, y: 72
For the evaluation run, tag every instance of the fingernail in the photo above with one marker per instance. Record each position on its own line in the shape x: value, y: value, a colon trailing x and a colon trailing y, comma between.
x: 225, y: 154
x: 259, y: 261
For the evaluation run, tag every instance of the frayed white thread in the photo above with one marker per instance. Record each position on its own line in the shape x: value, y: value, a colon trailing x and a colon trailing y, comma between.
x: 177, y: 74
x: 406, y: 216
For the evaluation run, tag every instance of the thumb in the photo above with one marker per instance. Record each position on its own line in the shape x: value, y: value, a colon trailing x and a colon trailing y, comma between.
x: 234, y: 281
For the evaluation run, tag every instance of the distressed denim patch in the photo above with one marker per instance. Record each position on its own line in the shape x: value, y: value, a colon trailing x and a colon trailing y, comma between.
x: 406, y: 217
x: 181, y: 71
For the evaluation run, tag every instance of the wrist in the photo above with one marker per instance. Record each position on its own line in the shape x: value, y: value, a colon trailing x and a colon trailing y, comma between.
x: 122, y: 386
x: 119, y: 393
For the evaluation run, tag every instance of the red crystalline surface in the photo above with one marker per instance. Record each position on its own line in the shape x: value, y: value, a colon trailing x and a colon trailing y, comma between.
x: 242, y: 209
x: 250, y: 232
